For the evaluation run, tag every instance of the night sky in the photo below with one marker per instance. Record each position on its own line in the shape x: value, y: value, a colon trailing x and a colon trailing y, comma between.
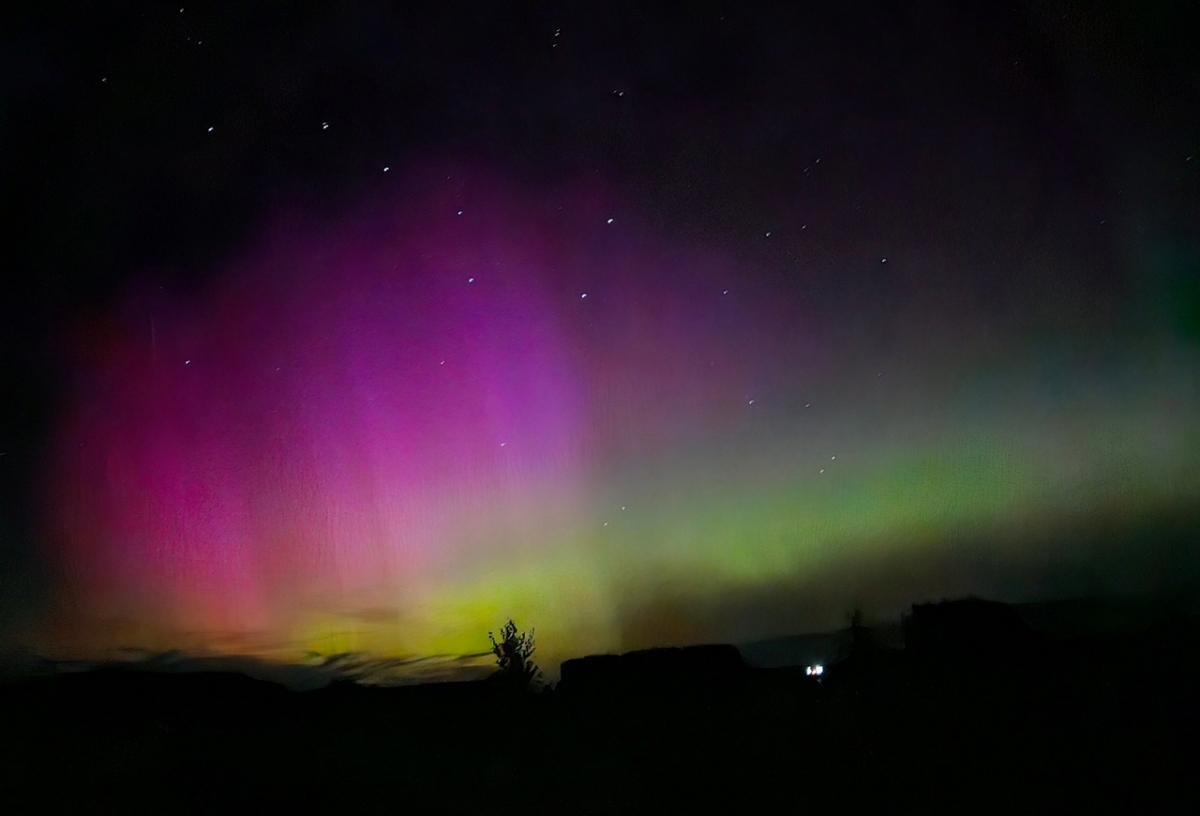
x: 361, y: 327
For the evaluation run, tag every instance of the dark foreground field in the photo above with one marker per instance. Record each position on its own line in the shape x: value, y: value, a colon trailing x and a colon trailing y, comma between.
x: 1094, y: 725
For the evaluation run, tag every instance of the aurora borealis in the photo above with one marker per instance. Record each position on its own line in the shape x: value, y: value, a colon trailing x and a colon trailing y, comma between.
x: 424, y: 425
x: 618, y: 403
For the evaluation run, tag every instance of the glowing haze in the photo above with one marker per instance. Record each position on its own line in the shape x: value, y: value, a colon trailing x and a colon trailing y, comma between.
x: 389, y: 431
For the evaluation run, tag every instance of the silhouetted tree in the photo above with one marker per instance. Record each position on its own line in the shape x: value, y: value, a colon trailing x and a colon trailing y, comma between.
x: 514, y: 657
x: 860, y: 635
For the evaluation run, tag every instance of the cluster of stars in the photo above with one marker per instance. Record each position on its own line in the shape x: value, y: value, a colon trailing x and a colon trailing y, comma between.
x: 750, y: 401
x: 584, y: 296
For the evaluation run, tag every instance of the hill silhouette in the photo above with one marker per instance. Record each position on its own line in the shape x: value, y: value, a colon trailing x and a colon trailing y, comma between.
x: 978, y: 711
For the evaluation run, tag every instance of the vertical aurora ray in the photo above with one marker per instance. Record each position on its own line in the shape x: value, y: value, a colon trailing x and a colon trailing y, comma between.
x: 313, y: 434
x: 389, y: 433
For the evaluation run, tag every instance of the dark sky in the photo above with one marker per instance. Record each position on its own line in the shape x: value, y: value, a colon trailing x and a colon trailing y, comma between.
x: 362, y: 326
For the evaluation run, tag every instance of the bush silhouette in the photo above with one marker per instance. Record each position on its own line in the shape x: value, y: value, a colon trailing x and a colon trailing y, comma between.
x: 514, y: 657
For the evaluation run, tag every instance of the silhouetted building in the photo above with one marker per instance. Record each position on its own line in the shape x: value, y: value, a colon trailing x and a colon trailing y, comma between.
x: 965, y: 628
x: 691, y: 667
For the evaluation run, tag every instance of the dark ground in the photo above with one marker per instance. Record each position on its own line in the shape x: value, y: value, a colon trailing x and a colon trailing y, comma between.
x: 1101, y: 724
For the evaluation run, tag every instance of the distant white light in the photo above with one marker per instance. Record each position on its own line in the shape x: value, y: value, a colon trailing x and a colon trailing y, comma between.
x: 807, y: 404
x: 210, y: 130
x: 470, y: 280
x: 884, y: 260
x: 815, y: 671
x: 460, y: 212
x: 751, y: 402
x: 610, y: 220
x: 584, y: 295
x: 386, y: 169
x: 324, y: 126
x: 831, y: 458
x: 503, y: 444
x: 726, y: 292
x: 187, y: 362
